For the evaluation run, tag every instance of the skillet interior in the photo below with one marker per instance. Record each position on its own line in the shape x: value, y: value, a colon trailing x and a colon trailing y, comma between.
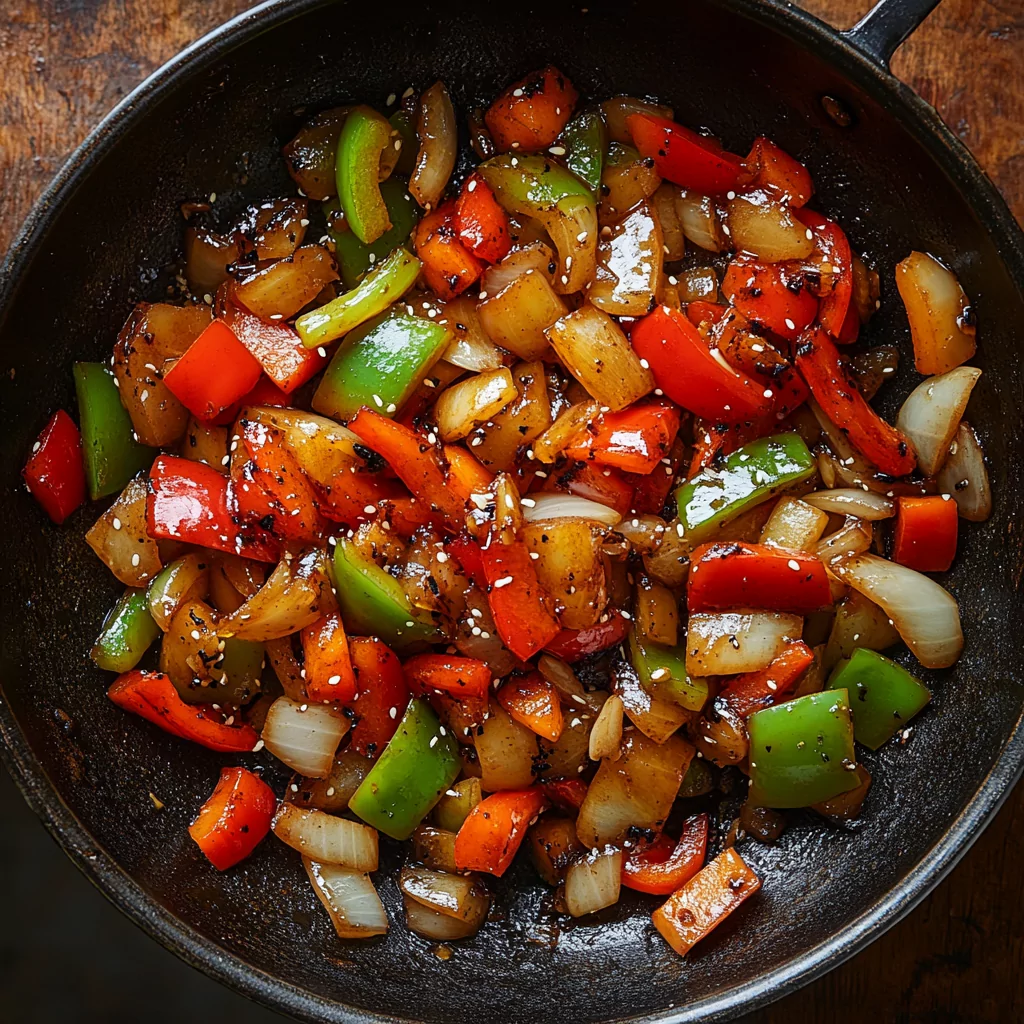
x: 101, y: 250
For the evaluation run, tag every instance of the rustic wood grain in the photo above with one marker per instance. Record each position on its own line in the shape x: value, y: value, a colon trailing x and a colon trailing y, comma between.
x: 958, y: 957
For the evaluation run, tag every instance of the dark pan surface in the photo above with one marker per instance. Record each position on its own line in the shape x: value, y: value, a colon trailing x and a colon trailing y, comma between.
x: 216, y: 123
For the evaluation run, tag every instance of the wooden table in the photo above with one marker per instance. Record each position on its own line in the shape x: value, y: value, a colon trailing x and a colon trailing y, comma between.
x: 959, y: 956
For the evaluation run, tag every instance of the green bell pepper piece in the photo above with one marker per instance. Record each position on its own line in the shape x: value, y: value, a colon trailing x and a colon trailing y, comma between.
x: 363, y: 137
x: 128, y: 631
x: 750, y: 475
x: 373, y: 602
x: 586, y: 140
x: 884, y: 696
x: 697, y: 781
x: 402, y: 122
x: 378, y: 290
x: 419, y: 763
x: 380, y: 365
x: 663, y: 669
x: 112, y: 454
x: 355, y: 257
x: 801, y: 751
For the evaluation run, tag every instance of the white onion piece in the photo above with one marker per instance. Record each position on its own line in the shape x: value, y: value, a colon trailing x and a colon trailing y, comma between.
x: 965, y: 477
x: 593, y: 883
x: 458, y: 896
x: 438, y: 137
x: 536, y: 256
x: 852, y: 501
x: 350, y: 899
x: 431, y: 924
x: 930, y: 416
x: 463, y: 406
x: 606, y: 735
x: 327, y: 839
x: 304, y: 736
x: 568, y: 506
x: 726, y: 643
x: 849, y: 540
x: 924, y: 614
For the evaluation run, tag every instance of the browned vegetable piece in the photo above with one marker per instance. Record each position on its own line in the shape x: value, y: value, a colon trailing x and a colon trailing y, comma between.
x: 120, y: 539
x: 498, y: 442
x: 553, y: 846
x: 280, y: 227
x: 278, y: 290
x: 310, y: 155
x: 569, y: 567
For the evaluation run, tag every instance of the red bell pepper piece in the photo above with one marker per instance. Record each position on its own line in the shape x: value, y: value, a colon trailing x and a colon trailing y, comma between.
x: 705, y: 901
x: 54, y: 473
x: 381, y: 695
x: 531, y: 113
x: 705, y: 314
x: 663, y: 866
x: 328, y: 660
x: 407, y: 515
x: 447, y: 672
x: 517, y: 601
x: 152, y: 696
x: 818, y: 361
x: 567, y: 794
x: 691, y: 160
x: 352, y: 491
x: 652, y: 491
x: 850, y: 330
x: 214, y: 373
x: 605, y: 485
x: 575, y: 644
x: 466, y: 552
x: 685, y: 369
x: 831, y: 241
x: 532, y: 701
x: 925, y: 534
x: 191, y: 502
x: 448, y: 266
x: 770, y: 168
x: 733, y: 574
x: 417, y: 464
x: 753, y: 691
x: 466, y: 474
x: 273, y: 491
x: 266, y: 392
x: 234, y: 819
x: 480, y: 223
x: 770, y: 295
x: 495, y: 828
x: 635, y: 439
x: 276, y: 347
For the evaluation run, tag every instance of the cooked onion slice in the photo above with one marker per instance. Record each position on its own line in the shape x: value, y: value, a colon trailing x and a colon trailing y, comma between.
x: 324, y: 838
x: 304, y: 736
x: 553, y: 505
x: 925, y: 615
x: 930, y: 416
x: 463, y: 406
x: 593, y: 883
x: 965, y: 477
x: 700, y: 222
x: 458, y: 896
x: 119, y: 537
x: 853, y: 502
x: 725, y: 643
x: 767, y: 229
x: 438, y: 135
x: 606, y: 735
x: 536, y: 256
x: 432, y: 924
x: 350, y: 898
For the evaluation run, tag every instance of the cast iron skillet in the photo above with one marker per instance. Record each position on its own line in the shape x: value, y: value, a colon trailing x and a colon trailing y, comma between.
x: 213, y: 120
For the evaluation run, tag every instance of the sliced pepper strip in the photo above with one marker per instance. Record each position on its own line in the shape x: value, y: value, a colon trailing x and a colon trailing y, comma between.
x: 635, y: 439
x: 449, y: 267
x: 705, y: 901
x: 517, y: 599
x: 770, y: 167
x: 460, y: 677
x: 328, y: 661
x: 832, y: 243
x: 481, y: 225
x: 382, y: 695
x: 152, y: 696
x: 54, y: 473
x: 363, y: 137
x: 277, y: 348
x: 127, y: 633
x: 234, y: 819
x: 466, y: 552
x: 770, y: 295
x: 925, y: 535
x: 494, y: 830
x: 532, y: 701
x: 529, y: 115
x: 681, y: 155
x: 685, y: 369
x: 568, y: 794
x: 572, y: 645
x: 818, y: 361
x: 734, y: 574
x: 661, y: 867
x: 753, y: 691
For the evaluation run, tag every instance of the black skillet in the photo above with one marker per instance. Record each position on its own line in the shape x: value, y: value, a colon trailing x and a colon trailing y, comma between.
x: 213, y: 120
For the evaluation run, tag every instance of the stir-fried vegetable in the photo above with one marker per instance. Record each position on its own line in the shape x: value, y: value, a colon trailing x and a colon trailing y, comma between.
x: 235, y: 819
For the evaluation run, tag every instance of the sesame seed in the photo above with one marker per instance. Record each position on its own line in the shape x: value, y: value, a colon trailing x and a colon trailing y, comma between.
x: 135, y: 559
x: 794, y: 565
x: 503, y: 582
x: 117, y: 523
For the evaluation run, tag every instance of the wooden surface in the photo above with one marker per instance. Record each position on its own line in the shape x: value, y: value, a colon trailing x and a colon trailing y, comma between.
x: 959, y: 956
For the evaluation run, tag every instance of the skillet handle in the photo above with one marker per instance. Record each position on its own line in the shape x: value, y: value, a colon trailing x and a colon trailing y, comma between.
x: 886, y: 25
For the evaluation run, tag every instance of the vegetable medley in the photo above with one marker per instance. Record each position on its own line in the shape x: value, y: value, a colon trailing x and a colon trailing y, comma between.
x: 527, y: 511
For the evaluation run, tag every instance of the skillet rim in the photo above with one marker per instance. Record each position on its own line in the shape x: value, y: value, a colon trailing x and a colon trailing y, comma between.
x: 950, y: 154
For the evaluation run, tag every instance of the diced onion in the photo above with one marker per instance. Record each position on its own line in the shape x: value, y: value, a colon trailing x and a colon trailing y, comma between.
x: 553, y: 505
x: 700, y: 221
x: 470, y: 402
x: 794, y: 524
x: 505, y: 751
x: 768, y: 229
x: 629, y: 262
x: 458, y: 896
x: 965, y: 477
x: 931, y: 414
x: 664, y: 203
x: 618, y: 109
x: 435, y: 847
x: 606, y: 735
x: 304, y: 736
x: 725, y: 643
x: 438, y: 135
x: 120, y: 538
x: 562, y: 678
x: 350, y: 899
x: 536, y: 256
x: 327, y: 839
x: 853, y: 502
x: 333, y: 793
x: 470, y: 348
x: 925, y: 615
x: 570, y: 566
x: 431, y: 924
x: 850, y: 539
x: 561, y: 433
x: 593, y: 883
